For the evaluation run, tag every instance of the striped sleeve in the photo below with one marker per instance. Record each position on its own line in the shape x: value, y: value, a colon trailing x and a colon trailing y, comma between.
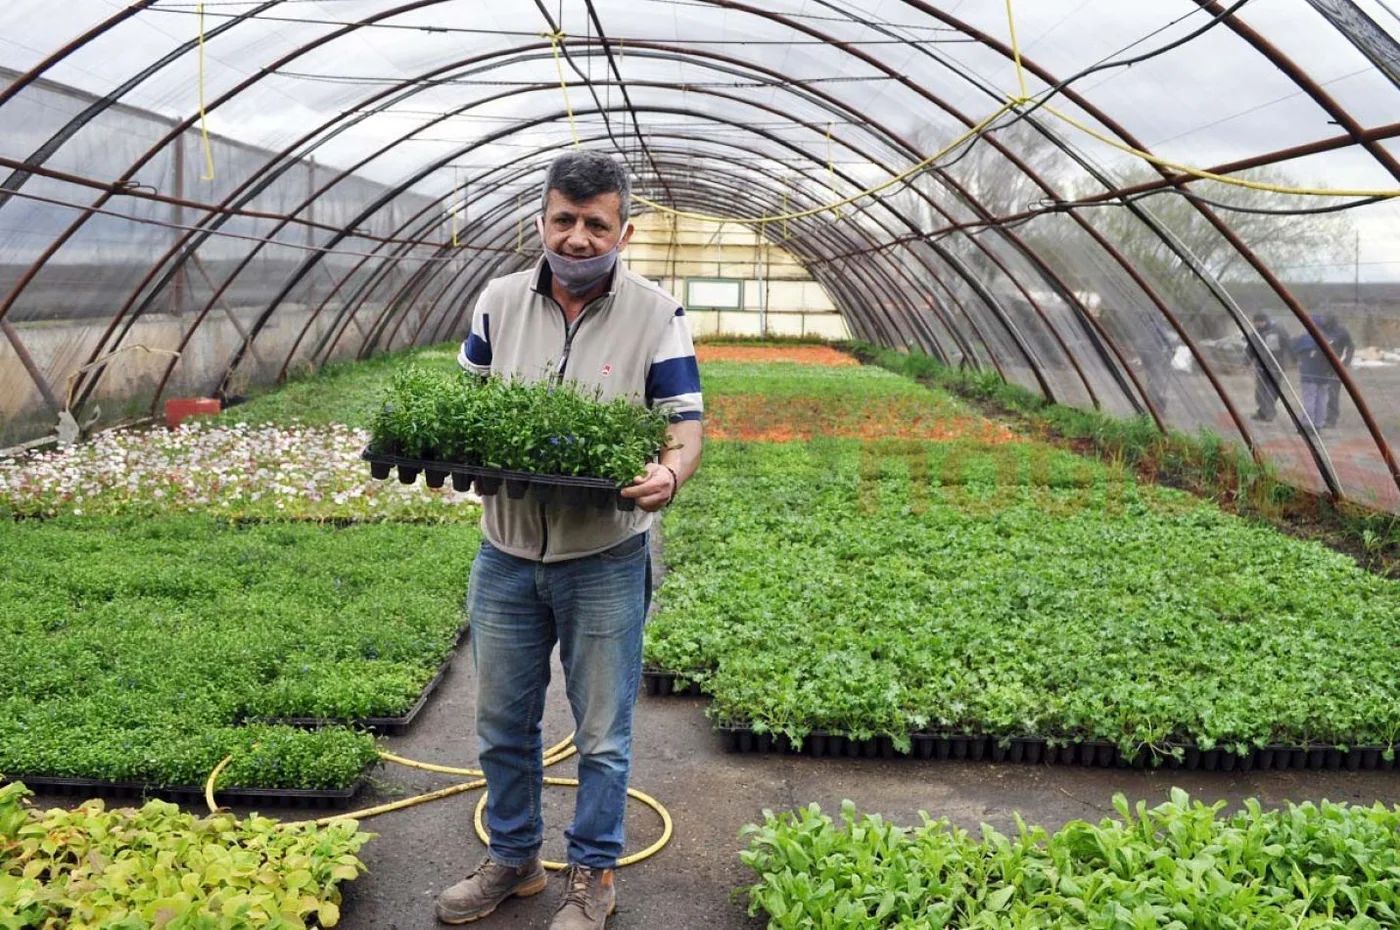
x: 475, y: 355
x: 673, y: 379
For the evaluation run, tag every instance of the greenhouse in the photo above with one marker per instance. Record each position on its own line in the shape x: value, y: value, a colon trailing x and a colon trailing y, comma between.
x: 699, y: 463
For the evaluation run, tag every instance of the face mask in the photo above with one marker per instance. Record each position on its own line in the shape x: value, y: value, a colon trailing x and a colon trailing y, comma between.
x: 578, y: 276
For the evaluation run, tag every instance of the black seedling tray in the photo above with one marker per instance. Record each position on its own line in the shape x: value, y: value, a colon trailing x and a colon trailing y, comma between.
x: 324, y: 799
x: 741, y: 738
x: 384, y: 726
x: 563, y: 490
x: 665, y: 684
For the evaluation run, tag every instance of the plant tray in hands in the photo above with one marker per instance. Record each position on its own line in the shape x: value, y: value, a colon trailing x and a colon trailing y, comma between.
x: 563, y: 490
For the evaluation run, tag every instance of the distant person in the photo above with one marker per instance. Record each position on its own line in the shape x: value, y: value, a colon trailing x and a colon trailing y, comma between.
x: 1315, y: 371
x: 1340, y: 339
x: 1156, y: 358
x: 1269, y: 366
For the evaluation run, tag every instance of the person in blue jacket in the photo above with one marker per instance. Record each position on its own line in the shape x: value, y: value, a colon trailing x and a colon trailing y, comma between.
x: 1316, y: 372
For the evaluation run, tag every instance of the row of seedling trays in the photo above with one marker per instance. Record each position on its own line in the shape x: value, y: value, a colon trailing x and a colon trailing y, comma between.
x: 739, y: 737
x: 1091, y: 754
x: 561, y: 490
x: 323, y: 798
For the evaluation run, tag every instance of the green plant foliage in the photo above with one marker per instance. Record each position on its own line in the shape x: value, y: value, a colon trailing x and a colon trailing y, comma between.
x: 342, y: 392
x: 1175, y: 866
x: 1011, y: 591
x: 134, y: 649
x: 156, y: 867
x: 512, y: 425
x: 1203, y: 463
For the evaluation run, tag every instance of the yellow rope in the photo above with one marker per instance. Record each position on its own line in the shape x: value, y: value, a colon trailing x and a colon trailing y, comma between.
x: 557, y: 753
x: 203, y: 112
x: 554, y: 39
x: 801, y: 214
x: 1016, y: 54
x: 456, y: 208
x: 831, y: 171
x: 1209, y: 176
x: 1012, y: 103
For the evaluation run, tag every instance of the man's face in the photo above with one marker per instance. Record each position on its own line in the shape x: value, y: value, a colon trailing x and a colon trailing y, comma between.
x: 583, y: 229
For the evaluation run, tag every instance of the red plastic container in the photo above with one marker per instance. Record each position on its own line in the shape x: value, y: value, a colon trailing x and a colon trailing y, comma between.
x: 178, y: 409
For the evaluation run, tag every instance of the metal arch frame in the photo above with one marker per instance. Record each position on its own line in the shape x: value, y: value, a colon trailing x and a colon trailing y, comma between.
x: 933, y: 344
x: 430, y: 208
x: 502, y: 211
x: 953, y: 331
x: 668, y: 88
x: 1026, y: 252
x: 505, y: 205
x: 504, y: 208
x: 1224, y: 229
x: 797, y: 245
x: 184, y: 244
x: 819, y: 229
x: 1030, y: 173
x: 373, y: 208
x: 1290, y: 300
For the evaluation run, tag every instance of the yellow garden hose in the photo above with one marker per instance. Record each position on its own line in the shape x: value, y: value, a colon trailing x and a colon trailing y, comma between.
x: 552, y: 756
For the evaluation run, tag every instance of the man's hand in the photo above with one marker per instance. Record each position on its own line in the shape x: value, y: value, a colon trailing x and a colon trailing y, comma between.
x: 653, y: 490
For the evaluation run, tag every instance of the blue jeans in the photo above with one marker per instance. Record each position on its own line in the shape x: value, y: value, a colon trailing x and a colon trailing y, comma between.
x: 595, y: 608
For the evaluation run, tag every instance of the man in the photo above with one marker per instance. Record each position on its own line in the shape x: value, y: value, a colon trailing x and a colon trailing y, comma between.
x: 1315, y: 371
x: 1268, y: 366
x: 1340, y: 339
x: 580, y: 577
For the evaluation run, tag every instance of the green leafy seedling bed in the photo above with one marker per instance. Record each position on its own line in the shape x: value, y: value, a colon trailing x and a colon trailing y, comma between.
x: 395, y: 725
x: 1176, y: 865
x: 140, y: 653
x: 126, y: 869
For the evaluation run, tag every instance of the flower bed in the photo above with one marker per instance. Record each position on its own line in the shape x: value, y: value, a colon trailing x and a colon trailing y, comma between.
x: 154, y: 867
x: 1175, y: 865
x: 137, y: 649
x: 236, y: 471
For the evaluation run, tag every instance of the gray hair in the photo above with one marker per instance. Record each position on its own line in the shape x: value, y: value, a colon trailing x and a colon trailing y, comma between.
x: 583, y: 175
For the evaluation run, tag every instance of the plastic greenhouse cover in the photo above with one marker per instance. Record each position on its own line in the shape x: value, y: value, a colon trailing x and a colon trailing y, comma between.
x: 261, y: 182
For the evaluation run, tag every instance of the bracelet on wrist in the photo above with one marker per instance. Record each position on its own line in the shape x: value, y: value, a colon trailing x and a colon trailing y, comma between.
x: 675, y: 484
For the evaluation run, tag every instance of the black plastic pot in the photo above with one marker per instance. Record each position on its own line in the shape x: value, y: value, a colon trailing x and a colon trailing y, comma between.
x: 460, y: 483
x: 435, y: 479
x: 408, y: 475
x: 379, y: 471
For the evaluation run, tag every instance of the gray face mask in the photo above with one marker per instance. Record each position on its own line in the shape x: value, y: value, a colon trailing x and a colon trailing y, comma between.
x: 578, y: 276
